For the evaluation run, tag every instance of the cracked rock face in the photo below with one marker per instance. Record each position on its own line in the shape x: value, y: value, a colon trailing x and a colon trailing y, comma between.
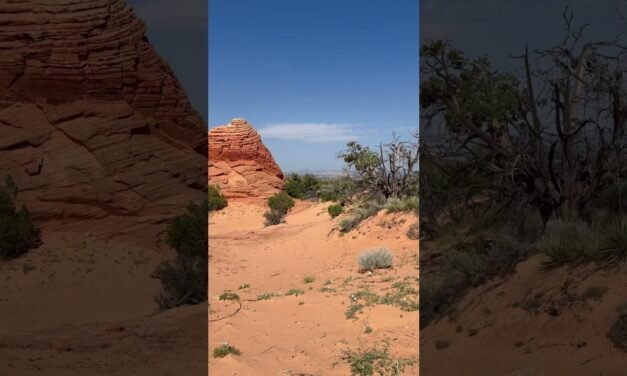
x: 93, y: 123
x: 240, y: 164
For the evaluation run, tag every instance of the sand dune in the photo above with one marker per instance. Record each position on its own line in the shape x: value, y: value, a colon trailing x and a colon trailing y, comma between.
x: 532, y: 323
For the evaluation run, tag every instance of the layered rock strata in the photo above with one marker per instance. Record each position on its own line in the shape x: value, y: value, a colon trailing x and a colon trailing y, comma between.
x: 240, y: 163
x: 93, y: 123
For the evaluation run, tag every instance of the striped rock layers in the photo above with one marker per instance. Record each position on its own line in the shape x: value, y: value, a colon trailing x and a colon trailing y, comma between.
x: 240, y: 164
x: 93, y: 123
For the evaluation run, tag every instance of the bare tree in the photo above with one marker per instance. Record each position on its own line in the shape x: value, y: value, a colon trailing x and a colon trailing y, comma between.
x: 391, y: 171
x: 553, y: 140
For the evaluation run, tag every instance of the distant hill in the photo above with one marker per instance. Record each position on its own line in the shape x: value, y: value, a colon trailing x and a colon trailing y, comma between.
x: 317, y: 173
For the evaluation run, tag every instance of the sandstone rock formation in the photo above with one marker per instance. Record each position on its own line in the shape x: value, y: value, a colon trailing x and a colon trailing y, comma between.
x: 93, y: 123
x: 240, y: 164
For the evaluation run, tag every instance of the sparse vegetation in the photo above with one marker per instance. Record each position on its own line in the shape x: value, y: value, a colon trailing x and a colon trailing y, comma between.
x: 376, y: 361
x: 295, y: 292
x: 224, y: 350
x: 280, y: 204
x: 404, y: 204
x: 184, y: 279
x: 309, y: 279
x: 304, y: 187
x: 568, y: 242
x: 335, y: 210
x: 216, y: 200
x: 403, y: 296
x: 267, y: 295
x: 378, y: 258
x: 18, y: 233
x: 353, y: 310
x: 468, y: 265
x: 361, y: 213
x: 228, y: 295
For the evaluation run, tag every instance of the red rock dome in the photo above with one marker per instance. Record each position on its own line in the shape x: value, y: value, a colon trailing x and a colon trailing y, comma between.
x: 93, y: 123
x: 240, y: 164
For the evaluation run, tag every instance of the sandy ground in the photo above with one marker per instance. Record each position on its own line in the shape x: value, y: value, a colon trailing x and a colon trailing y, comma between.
x: 82, y: 304
x: 305, y: 334
x: 533, y: 323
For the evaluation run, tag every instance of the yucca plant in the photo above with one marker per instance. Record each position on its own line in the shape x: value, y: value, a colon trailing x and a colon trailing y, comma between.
x: 613, y: 247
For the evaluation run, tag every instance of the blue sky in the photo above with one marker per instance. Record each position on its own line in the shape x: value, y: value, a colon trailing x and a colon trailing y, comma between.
x: 500, y: 28
x: 312, y: 74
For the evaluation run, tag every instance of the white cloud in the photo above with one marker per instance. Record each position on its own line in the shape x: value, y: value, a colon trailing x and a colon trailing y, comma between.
x: 309, y: 132
x: 172, y: 15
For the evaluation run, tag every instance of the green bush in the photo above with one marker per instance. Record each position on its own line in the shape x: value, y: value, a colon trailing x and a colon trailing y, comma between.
x: 187, y: 234
x: 280, y: 204
x: 224, y: 350
x: 340, y: 189
x: 216, y: 200
x: 405, y: 204
x: 335, y: 210
x: 302, y: 187
x: 184, y: 279
x: 361, y: 213
x: 18, y: 234
x: 378, y: 258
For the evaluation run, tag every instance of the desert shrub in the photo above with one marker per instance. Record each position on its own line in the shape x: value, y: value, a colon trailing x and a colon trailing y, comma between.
x: 413, y: 232
x: 216, y: 200
x: 340, y: 189
x: 187, y: 234
x: 224, y: 350
x: 405, y: 204
x: 273, y: 218
x: 302, y: 187
x: 228, y: 295
x: 470, y: 264
x: 376, y: 361
x: 18, y: 233
x: 280, y: 204
x: 295, y: 292
x: 184, y: 279
x: 369, y: 209
x: 335, y: 210
x: 618, y: 332
x: 568, y: 242
x: 378, y: 258
x: 613, y: 243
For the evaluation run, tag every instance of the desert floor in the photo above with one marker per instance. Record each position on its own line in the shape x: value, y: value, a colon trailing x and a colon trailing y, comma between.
x: 82, y: 304
x: 305, y: 334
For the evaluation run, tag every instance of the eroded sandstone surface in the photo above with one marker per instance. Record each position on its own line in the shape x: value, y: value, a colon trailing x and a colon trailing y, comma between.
x: 240, y: 163
x: 93, y: 123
